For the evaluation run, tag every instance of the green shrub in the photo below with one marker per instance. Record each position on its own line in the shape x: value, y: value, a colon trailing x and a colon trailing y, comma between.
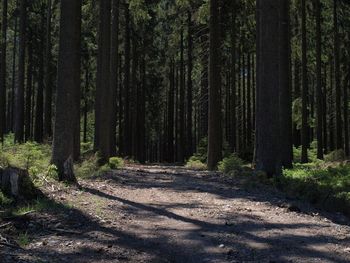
x: 195, y: 163
x: 116, y: 163
x: 4, y: 201
x: 31, y: 156
x: 231, y: 165
x: 86, y: 146
x: 202, y: 150
x: 312, y: 153
x: 335, y: 156
x: 87, y: 168
x: 318, y: 183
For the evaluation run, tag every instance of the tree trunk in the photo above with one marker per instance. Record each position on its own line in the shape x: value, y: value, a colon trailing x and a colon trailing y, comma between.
x: 286, y: 125
x: 68, y: 82
x: 38, y: 128
x: 338, y: 121
x: 319, y: 122
x: 114, y: 72
x: 29, y: 90
x: 127, y: 128
x: 233, y: 78
x: 48, y: 74
x: 305, y: 90
x: 19, y: 92
x: 3, y: 74
x: 214, y: 122
x: 203, y: 131
x: 182, y: 143
x: 104, y: 100
x: 268, y: 157
x: 171, y: 113
x: 189, y: 141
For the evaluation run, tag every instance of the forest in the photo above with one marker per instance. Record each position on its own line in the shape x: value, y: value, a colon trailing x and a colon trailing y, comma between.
x: 174, y: 131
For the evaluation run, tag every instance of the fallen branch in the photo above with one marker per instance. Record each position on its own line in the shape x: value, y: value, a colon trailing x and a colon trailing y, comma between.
x: 5, y: 225
x: 20, y: 215
x: 60, y: 230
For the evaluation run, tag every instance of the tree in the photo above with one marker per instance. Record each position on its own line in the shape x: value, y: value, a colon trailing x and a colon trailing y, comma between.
x: 48, y: 74
x: 319, y: 81
x: 286, y: 127
x: 305, y: 90
x: 338, y: 120
x: 214, y: 122
x: 19, y: 92
x: 38, y: 128
x: 68, y: 81
x: 189, y: 141
x: 3, y: 71
x: 104, y: 94
x: 268, y: 157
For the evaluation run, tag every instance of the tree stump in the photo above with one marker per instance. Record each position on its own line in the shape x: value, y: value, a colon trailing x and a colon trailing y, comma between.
x: 16, y: 183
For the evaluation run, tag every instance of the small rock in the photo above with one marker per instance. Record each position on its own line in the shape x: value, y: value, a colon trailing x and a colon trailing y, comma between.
x: 221, y: 246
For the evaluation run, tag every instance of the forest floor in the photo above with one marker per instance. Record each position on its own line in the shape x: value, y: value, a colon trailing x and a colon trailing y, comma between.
x: 171, y: 214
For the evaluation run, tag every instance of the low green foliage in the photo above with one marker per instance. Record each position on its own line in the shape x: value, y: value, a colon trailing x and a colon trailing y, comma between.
x: 86, y: 147
x: 87, y: 168
x: 202, y: 150
x: 335, y: 156
x: 31, y: 156
x: 231, y: 165
x: 4, y: 200
x: 116, y: 163
x: 195, y: 163
x: 23, y: 239
x: 312, y: 153
x: 325, y: 184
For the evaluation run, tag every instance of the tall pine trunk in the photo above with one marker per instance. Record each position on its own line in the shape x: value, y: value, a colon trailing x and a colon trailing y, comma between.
x: 268, y: 157
x: 189, y: 141
x: 68, y: 82
x: 319, y: 117
x: 3, y: 67
x: 338, y: 121
x: 19, y: 91
x: 305, y: 90
x: 286, y: 125
x: 214, y: 122
x: 104, y: 101
x: 48, y: 74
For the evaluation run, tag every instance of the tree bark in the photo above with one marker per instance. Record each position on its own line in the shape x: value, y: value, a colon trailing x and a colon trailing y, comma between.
x: 319, y: 96
x: 68, y: 82
x: 48, y: 74
x: 338, y: 120
x: 3, y: 85
x: 305, y: 90
x: 214, y: 122
x: 189, y: 141
x: 286, y: 125
x: 268, y: 157
x: 19, y: 92
x: 104, y: 100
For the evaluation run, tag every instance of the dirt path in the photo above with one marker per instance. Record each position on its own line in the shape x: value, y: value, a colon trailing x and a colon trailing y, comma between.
x: 169, y: 214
